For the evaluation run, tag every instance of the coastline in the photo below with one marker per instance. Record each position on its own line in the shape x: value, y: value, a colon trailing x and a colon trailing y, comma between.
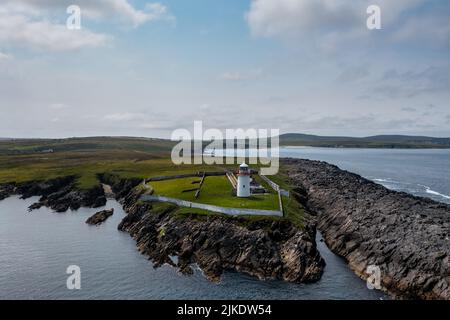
x: 328, y: 193
x: 367, y: 224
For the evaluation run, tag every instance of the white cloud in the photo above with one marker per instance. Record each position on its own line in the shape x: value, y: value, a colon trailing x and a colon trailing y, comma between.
x: 5, y: 56
x: 125, y: 116
x: 42, y: 24
x: 58, y: 106
x: 123, y: 9
x: 427, y: 29
x: 238, y: 75
x: 291, y: 18
x: 21, y: 29
x: 231, y: 76
x: 328, y: 23
x: 100, y: 9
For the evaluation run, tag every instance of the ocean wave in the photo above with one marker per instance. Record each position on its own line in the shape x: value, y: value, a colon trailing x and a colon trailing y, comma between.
x: 382, y: 180
x: 389, y: 181
x: 430, y: 191
x: 397, y: 185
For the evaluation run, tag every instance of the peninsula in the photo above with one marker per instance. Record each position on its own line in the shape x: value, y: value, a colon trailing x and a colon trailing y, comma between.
x: 365, y: 223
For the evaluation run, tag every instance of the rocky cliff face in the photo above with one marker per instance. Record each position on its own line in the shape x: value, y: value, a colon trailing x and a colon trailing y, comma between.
x: 6, y: 190
x: 407, y: 237
x: 265, y: 249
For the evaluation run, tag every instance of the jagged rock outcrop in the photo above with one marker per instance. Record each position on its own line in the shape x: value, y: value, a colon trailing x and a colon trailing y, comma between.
x: 69, y: 197
x: 265, y: 249
x: 6, y: 190
x: 407, y: 237
x: 62, y: 194
x: 100, y: 217
x: 59, y: 194
x: 120, y: 187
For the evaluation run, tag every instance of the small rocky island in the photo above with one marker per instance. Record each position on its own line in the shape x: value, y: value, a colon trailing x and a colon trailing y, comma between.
x: 100, y: 217
x: 407, y: 237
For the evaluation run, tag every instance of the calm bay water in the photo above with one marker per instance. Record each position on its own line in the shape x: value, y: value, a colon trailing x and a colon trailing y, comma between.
x: 37, y: 247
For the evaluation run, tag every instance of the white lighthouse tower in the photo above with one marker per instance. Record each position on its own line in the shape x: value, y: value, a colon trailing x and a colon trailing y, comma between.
x: 243, y: 185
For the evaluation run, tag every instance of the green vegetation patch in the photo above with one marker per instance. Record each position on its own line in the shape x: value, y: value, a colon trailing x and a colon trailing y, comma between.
x: 294, y: 211
x: 216, y: 190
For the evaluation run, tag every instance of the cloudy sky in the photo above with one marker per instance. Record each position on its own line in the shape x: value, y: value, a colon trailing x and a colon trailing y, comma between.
x: 143, y: 68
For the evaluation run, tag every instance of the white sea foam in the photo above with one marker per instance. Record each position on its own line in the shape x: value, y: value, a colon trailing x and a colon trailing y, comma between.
x: 382, y: 180
x: 430, y: 191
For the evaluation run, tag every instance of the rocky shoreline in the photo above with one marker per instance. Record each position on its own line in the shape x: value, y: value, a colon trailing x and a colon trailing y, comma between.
x: 407, y: 237
x: 264, y: 249
x: 59, y: 194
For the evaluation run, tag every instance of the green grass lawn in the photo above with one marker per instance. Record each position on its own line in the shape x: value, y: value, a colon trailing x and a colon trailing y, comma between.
x: 216, y: 190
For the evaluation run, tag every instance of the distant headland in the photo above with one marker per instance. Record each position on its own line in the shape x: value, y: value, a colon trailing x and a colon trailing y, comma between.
x: 40, y: 145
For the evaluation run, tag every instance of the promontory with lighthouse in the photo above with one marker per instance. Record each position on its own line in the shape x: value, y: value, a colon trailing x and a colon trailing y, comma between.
x: 224, y: 218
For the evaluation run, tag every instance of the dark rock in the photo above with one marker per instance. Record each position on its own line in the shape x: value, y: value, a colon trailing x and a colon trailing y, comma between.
x: 6, y: 190
x: 44, y: 188
x: 100, y: 217
x: 61, y: 194
x: 99, y: 202
x: 35, y: 206
x: 120, y: 187
x: 407, y: 237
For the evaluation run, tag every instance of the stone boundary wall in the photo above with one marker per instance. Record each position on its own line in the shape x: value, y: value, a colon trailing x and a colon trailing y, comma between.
x: 275, y: 186
x: 187, y: 175
x: 224, y: 210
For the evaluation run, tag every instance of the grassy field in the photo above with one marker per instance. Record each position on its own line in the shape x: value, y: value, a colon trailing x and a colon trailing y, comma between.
x: 216, y: 190
x: 32, y: 146
x: 25, y: 160
x: 88, y: 164
x: 85, y: 158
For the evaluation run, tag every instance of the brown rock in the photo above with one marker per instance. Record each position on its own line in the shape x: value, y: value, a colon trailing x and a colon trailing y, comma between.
x: 100, y: 217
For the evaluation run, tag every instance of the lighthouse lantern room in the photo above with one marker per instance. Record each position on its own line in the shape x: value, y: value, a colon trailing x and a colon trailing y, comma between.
x: 243, y: 185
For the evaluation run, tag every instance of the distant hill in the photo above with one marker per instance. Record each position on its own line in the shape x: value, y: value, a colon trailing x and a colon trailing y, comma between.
x: 380, y: 141
x: 162, y: 146
x: 31, y: 146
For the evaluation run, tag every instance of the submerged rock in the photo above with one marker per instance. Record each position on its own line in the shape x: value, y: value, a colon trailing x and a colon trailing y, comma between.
x: 407, y: 237
x: 100, y: 217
